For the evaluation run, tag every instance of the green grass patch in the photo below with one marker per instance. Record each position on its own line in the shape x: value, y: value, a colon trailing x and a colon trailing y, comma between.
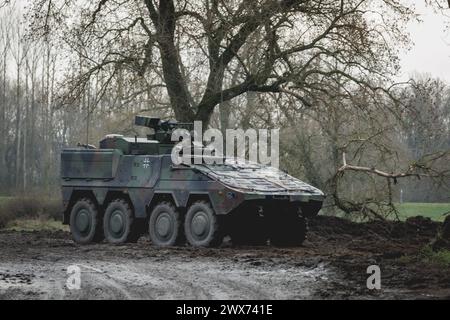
x: 39, y: 224
x: 4, y: 199
x: 426, y: 255
x: 441, y: 258
x: 434, y: 211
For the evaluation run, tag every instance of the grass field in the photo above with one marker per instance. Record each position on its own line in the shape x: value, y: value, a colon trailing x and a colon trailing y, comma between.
x: 35, y: 224
x: 4, y: 199
x: 30, y: 213
x: 31, y: 224
x: 434, y: 211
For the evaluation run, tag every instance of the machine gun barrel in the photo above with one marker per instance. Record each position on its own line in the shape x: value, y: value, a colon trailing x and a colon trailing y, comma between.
x: 162, y: 129
x: 158, y: 125
x: 147, y: 122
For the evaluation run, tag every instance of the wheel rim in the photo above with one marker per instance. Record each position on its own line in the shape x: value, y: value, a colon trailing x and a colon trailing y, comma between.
x: 164, y: 226
x: 200, y: 225
x: 83, y: 221
x: 117, y: 223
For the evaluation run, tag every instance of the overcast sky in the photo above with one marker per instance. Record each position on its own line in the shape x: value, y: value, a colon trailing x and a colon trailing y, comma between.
x: 431, y: 48
x: 430, y: 51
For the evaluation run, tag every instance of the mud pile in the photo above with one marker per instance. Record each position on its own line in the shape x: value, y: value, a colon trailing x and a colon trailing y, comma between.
x: 335, y: 229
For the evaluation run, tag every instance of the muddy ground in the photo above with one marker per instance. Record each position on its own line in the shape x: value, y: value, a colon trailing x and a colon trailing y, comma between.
x: 331, y: 264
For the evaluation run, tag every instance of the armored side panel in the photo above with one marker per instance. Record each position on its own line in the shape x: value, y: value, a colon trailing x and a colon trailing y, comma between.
x: 165, y: 148
x: 89, y: 163
x: 129, y: 145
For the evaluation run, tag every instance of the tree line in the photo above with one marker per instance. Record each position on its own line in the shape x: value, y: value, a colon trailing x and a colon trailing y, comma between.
x: 322, y: 71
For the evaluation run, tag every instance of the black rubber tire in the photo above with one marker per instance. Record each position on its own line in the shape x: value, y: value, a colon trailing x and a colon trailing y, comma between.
x: 248, y: 231
x: 446, y: 228
x: 85, y: 222
x: 165, y: 225
x: 201, y: 226
x: 288, y: 231
x: 311, y: 208
x: 119, y: 223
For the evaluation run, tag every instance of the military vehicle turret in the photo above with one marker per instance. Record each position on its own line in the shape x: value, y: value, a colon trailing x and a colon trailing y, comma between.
x: 130, y: 186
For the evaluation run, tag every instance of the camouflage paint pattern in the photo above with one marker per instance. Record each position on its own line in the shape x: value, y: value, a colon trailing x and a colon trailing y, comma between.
x: 142, y: 169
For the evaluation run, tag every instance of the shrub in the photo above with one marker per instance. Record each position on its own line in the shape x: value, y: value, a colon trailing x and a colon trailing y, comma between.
x: 441, y: 257
x: 29, y: 207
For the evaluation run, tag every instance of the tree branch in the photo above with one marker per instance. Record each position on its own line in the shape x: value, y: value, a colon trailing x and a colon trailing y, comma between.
x: 412, y: 171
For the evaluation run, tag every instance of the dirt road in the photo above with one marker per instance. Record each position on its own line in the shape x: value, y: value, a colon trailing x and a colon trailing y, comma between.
x: 331, y: 265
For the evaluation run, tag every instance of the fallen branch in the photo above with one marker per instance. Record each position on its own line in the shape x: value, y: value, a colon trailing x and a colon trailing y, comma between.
x: 421, y: 168
x: 394, y: 176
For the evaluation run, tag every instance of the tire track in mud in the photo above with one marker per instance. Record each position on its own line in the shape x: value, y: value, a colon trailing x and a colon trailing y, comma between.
x: 183, y: 281
x: 206, y: 280
x: 332, y: 264
x: 149, y: 279
x: 43, y: 284
x: 100, y: 286
x: 139, y: 271
x: 135, y: 281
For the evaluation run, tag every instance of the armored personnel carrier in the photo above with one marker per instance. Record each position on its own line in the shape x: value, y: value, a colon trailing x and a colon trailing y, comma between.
x: 130, y: 186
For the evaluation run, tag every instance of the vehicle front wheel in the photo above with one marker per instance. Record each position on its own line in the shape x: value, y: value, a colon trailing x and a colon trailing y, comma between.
x: 201, y: 226
x: 85, y: 222
x: 248, y: 229
x: 118, y: 222
x: 288, y: 231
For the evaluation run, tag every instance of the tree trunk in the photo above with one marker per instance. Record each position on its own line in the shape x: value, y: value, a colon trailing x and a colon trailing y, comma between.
x: 18, y: 131
x: 165, y: 21
x: 4, y: 140
x: 25, y: 128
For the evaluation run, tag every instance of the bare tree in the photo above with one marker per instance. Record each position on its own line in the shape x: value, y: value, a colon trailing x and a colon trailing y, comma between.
x: 5, y: 26
x: 196, y: 44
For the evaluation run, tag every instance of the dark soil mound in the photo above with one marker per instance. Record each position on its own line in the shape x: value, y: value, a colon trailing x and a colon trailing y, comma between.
x: 333, y: 228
